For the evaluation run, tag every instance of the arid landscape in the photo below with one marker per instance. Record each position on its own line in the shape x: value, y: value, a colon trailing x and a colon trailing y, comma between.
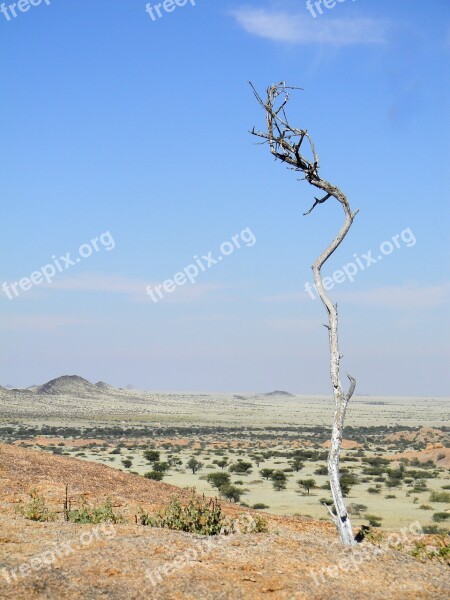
x: 224, y: 309
x: 262, y: 454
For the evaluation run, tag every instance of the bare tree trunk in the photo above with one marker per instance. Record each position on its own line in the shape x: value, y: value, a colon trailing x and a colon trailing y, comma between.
x: 341, y: 519
x: 285, y: 143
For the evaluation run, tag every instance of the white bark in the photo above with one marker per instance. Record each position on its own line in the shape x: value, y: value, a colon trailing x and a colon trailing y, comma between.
x: 341, y: 519
x: 285, y: 143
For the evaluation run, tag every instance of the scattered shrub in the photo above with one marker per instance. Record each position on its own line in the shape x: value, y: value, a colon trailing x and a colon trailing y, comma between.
x: 151, y: 455
x: 440, y: 497
x: 219, y: 479
x: 36, y: 509
x: 374, y: 521
x: 441, y: 516
x: 242, y: 467
x: 307, y: 484
x: 198, y: 516
x: 94, y: 514
x: 279, y: 480
x: 155, y: 475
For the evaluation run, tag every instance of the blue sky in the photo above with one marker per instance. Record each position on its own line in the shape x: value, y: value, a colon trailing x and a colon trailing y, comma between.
x: 113, y: 122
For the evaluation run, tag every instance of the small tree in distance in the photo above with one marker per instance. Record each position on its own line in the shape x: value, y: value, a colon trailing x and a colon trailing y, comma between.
x: 219, y: 479
x: 194, y: 465
x: 297, y: 464
x: 151, y: 455
x: 279, y: 480
x: 266, y: 473
x: 307, y: 484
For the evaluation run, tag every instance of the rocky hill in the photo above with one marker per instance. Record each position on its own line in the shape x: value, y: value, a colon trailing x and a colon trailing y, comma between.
x: 68, y: 385
x: 298, y: 559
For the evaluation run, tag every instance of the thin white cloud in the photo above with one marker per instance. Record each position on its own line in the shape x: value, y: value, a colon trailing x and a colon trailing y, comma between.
x: 303, y: 29
x: 133, y: 287
x: 406, y: 297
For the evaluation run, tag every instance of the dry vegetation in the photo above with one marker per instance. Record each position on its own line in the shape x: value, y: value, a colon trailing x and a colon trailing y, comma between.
x: 262, y: 455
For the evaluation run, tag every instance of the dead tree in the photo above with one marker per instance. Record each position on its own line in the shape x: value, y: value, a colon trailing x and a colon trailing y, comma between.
x: 285, y: 143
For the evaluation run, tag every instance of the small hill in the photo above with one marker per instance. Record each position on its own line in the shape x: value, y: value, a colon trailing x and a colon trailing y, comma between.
x: 425, y: 435
x: 278, y: 393
x: 434, y: 452
x: 68, y: 385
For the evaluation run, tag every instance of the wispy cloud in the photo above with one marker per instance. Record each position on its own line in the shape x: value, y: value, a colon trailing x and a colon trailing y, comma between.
x: 402, y: 296
x: 134, y: 288
x: 302, y: 29
x: 408, y: 296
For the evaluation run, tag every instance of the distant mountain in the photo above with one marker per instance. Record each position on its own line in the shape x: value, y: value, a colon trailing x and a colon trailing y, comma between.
x: 68, y: 384
x: 278, y: 393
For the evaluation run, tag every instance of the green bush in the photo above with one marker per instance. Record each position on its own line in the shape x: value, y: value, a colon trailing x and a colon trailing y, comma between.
x: 194, y: 465
x: 94, y: 514
x: 356, y: 509
x: 327, y: 501
x: 323, y: 470
x: 279, y: 480
x: 155, y: 475
x: 434, y: 530
x: 441, y: 516
x: 198, y: 516
x: 231, y: 492
x: 36, y: 509
x: 440, y: 497
x: 374, y: 521
x: 162, y: 467
x: 440, y: 551
x: 242, y: 467
x: 218, y: 479
x: 260, y: 506
x: 151, y: 455
x: 266, y: 473
x: 307, y: 484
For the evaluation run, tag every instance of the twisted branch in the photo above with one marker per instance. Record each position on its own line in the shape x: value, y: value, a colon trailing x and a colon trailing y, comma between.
x: 286, y: 144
